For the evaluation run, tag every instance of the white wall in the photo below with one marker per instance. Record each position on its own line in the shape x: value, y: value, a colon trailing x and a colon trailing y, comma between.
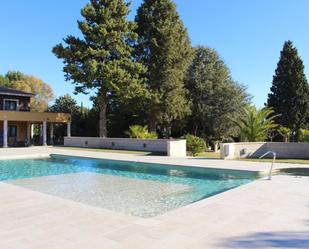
x: 176, y: 148
x: 172, y: 147
x: 257, y: 149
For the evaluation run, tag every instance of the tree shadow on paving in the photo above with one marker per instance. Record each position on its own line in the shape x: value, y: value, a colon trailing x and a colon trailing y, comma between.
x: 285, y: 239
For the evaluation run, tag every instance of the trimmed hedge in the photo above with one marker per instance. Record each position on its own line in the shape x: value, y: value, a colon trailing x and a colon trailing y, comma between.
x: 195, y: 145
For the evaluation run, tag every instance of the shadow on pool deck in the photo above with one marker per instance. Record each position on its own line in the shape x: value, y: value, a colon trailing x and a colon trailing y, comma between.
x: 284, y: 239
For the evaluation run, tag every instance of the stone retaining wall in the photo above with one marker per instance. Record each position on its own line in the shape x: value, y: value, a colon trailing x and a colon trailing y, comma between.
x: 172, y: 147
x: 257, y: 149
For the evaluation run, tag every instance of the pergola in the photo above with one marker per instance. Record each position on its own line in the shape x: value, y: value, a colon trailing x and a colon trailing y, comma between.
x: 30, y: 118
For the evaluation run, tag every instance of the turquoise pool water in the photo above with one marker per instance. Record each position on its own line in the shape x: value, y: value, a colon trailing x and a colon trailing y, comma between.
x: 139, y: 189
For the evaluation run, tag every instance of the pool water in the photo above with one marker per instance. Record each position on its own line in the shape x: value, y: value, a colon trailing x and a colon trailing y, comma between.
x: 139, y: 189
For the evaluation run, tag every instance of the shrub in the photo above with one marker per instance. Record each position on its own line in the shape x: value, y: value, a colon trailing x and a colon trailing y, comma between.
x: 195, y: 145
x: 303, y: 135
x: 256, y: 123
x: 141, y: 132
x: 228, y: 140
x: 150, y: 135
x: 285, y: 132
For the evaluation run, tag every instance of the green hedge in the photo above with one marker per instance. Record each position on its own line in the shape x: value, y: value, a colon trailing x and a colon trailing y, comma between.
x: 303, y: 136
x: 195, y: 145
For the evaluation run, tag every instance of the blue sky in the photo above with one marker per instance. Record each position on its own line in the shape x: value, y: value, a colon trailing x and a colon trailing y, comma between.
x: 248, y: 35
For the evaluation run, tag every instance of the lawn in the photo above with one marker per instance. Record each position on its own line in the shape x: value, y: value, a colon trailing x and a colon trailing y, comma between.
x: 214, y: 155
x: 293, y: 161
x: 210, y: 155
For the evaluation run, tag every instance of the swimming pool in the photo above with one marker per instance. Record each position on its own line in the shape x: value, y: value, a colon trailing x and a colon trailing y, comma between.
x: 139, y: 189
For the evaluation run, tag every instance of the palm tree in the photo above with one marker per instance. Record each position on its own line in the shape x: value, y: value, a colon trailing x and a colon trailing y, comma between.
x: 285, y: 132
x: 255, y: 123
x: 140, y: 132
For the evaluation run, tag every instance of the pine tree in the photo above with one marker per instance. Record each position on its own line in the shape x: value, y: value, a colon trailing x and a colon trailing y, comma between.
x: 289, y: 95
x: 164, y: 48
x: 102, y: 60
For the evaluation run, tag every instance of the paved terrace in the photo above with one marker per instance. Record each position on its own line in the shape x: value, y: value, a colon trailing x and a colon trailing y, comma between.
x: 261, y: 214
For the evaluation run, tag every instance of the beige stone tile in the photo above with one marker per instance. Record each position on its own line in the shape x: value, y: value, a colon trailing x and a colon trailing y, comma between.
x: 137, y: 241
x: 32, y: 220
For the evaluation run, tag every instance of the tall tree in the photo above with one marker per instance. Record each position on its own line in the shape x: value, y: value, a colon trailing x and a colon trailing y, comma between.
x: 164, y: 48
x: 102, y: 59
x: 216, y: 98
x: 123, y: 115
x: 80, y: 116
x: 290, y: 90
x: 23, y: 82
x: 65, y: 104
x: 4, y: 81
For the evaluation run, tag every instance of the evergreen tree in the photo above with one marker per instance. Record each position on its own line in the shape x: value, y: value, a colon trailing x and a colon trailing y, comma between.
x: 65, y: 104
x: 289, y: 95
x: 216, y: 98
x: 103, y: 60
x: 83, y: 122
x: 164, y: 48
x: 123, y: 115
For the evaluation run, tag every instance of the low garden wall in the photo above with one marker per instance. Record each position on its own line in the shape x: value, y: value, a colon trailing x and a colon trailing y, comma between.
x: 257, y: 149
x: 170, y: 147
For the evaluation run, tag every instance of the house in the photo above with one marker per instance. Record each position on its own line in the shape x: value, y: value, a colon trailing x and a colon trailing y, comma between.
x: 17, y: 120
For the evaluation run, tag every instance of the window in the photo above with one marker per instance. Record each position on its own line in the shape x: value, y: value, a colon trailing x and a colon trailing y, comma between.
x: 12, y: 131
x: 10, y: 105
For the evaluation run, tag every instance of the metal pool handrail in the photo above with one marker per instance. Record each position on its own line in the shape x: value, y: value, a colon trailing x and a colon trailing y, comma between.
x: 272, y: 163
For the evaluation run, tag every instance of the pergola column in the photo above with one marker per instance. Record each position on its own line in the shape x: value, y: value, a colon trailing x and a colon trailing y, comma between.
x: 51, y: 134
x: 29, y: 133
x: 44, y: 133
x: 5, y: 134
x: 69, y: 129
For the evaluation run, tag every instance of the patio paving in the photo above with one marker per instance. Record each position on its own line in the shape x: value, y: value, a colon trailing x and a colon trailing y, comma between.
x: 261, y: 214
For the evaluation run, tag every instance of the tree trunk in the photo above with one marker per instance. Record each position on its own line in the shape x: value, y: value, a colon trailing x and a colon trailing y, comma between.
x: 152, y: 124
x: 103, y: 114
x: 216, y: 146
x: 195, y: 129
x: 168, y: 131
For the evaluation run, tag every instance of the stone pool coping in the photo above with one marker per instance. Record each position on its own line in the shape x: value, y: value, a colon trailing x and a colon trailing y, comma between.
x: 41, y: 152
x: 261, y: 214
